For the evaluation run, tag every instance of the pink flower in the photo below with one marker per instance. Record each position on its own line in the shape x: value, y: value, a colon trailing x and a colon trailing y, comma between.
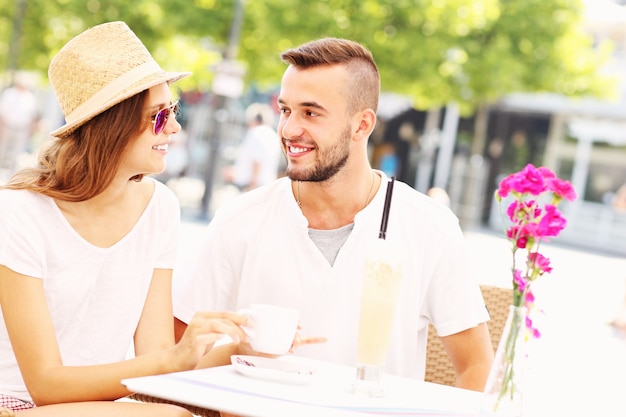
x: 514, y: 234
x: 521, y: 210
x: 547, y: 173
x: 532, y: 180
x: 532, y: 223
x: 519, y: 281
x: 522, y: 233
x: 539, y: 262
x: 529, y: 301
x: 528, y: 180
x: 552, y: 222
x: 534, y: 331
x: 562, y: 189
x: 505, y: 187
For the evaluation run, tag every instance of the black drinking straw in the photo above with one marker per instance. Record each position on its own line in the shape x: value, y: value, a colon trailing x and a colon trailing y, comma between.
x: 383, y: 224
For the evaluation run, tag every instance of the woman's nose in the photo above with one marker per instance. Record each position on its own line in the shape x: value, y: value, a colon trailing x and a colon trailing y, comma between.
x: 172, y: 125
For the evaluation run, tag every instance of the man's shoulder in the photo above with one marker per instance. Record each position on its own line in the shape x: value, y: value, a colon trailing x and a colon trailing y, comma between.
x: 424, y: 210
x: 255, y: 204
x: 414, y: 199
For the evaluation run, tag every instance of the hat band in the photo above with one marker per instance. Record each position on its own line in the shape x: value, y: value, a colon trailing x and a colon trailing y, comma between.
x: 111, y: 90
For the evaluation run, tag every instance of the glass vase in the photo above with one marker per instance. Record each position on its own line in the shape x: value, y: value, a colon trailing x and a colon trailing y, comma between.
x: 503, y: 394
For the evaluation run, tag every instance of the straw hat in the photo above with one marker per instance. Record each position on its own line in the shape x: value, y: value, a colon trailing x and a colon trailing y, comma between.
x: 100, y: 68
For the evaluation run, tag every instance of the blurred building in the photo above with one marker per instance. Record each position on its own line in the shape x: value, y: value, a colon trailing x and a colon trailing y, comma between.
x: 582, y: 140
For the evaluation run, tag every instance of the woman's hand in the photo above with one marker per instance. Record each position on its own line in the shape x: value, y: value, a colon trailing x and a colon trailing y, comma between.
x: 203, y: 331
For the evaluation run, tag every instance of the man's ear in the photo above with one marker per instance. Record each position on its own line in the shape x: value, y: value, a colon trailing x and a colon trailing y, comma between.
x: 367, y: 122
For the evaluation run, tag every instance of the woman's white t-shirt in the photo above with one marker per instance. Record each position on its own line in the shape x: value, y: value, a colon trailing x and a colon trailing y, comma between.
x: 95, y: 295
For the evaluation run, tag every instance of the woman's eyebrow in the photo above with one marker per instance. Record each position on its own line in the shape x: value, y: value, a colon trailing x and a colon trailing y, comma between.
x: 158, y: 106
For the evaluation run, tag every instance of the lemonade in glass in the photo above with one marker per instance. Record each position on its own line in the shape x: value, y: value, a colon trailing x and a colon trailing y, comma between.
x: 382, y: 277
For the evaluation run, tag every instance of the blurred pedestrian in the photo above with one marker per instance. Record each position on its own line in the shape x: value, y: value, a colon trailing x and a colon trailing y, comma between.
x: 258, y: 157
x: 386, y: 159
x: 19, y: 115
x: 619, y: 199
x: 440, y: 195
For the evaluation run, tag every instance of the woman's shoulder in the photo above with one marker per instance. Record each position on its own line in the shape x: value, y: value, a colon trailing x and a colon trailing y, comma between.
x: 21, y: 200
x: 161, y: 193
x: 23, y: 210
x: 164, y: 206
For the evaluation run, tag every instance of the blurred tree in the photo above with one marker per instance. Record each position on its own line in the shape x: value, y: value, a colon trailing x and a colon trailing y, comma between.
x: 469, y: 51
x: 173, y: 30
x: 437, y: 51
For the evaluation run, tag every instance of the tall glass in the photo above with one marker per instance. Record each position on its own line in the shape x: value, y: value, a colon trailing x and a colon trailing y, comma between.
x: 382, y: 276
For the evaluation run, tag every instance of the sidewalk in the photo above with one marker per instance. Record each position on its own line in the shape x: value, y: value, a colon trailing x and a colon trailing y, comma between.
x: 592, y: 283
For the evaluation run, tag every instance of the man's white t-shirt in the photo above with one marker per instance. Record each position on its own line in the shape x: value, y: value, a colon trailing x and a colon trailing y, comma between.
x: 257, y: 250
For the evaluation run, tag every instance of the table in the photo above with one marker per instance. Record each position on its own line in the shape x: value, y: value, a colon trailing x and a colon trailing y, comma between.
x: 326, y: 394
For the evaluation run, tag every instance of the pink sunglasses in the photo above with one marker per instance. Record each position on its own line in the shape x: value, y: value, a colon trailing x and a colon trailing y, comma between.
x: 160, y: 119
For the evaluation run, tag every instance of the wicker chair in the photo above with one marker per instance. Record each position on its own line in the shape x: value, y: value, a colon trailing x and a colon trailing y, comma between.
x: 5, y: 412
x: 439, y: 369
x: 197, y: 411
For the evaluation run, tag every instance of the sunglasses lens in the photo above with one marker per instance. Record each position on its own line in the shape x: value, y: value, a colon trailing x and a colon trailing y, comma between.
x: 160, y: 120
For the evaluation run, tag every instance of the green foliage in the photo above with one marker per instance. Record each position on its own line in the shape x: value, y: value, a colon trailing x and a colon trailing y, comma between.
x: 470, y: 51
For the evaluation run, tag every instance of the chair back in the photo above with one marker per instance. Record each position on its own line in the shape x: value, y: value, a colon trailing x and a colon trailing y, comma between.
x: 196, y: 411
x: 439, y: 369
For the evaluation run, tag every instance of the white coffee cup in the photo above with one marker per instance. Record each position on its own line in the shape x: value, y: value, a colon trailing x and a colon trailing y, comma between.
x: 274, y: 328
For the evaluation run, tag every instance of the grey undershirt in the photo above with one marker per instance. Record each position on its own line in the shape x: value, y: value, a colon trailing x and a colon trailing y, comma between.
x: 330, y: 241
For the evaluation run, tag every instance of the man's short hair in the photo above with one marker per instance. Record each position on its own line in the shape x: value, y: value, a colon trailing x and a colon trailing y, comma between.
x: 363, y: 84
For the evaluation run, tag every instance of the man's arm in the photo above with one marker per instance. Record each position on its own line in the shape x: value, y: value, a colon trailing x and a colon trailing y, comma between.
x: 471, y: 353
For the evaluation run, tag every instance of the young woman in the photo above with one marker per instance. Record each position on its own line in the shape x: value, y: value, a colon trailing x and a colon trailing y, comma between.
x: 88, y: 243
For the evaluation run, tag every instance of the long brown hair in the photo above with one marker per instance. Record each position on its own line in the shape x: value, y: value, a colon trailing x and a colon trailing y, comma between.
x: 81, y: 165
x: 363, y: 82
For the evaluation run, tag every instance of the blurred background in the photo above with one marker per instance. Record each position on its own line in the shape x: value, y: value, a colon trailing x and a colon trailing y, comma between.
x: 472, y: 90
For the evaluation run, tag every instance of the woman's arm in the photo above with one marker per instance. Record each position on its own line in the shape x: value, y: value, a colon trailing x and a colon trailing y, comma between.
x: 34, y: 343
x: 156, y: 329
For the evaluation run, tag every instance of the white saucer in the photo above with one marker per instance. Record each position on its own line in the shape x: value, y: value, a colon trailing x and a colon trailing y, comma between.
x: 270, y: 369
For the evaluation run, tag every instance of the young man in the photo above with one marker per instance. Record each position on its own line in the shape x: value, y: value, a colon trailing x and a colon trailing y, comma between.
x: 300, y: 242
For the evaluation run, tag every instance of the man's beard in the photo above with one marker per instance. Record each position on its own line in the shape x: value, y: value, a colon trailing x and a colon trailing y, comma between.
x: 328, y: 162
